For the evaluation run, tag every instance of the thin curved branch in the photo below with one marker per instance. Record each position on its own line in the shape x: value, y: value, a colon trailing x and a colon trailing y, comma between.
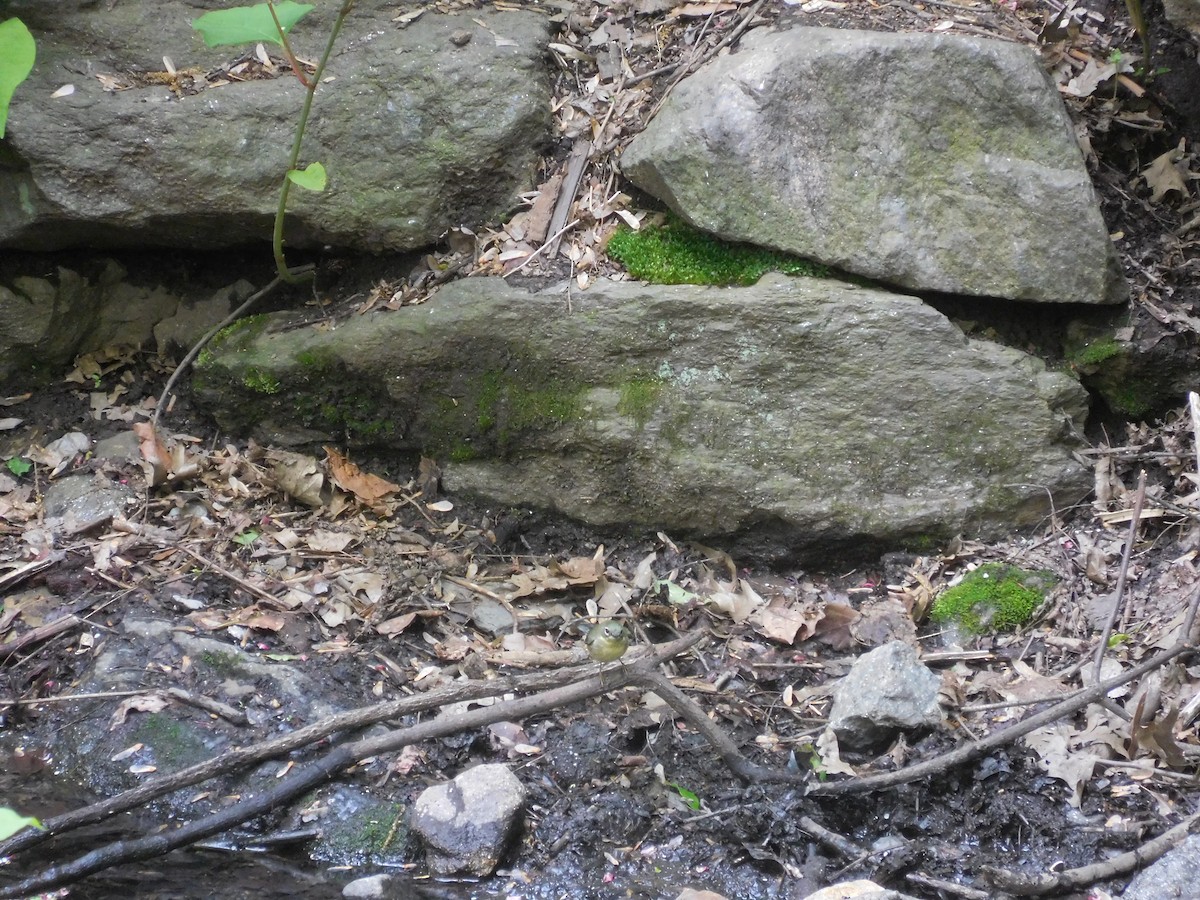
x: 1130, y: 539
x: 211, y: 333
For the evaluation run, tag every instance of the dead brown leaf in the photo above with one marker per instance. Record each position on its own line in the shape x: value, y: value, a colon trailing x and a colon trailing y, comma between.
x: 788, y: 624
x: 882, y: 622
x: 582, y: 569
x: 163, y: 462
x: 1163, y: 175
x: 1157, y: 737
x: 299, y: 476
x: 350, y: 478
x: 324, y: 541
x: 429, y: 476
x: 702, y: 10
x: 396, y: 624
x: 830, y: 754
x: 142, y: 703
x: 834, y: 627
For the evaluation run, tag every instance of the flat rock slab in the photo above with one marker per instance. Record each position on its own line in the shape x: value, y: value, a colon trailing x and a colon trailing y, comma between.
x: 797, y: 414
x: 421, y: 129
x: 929, y: 162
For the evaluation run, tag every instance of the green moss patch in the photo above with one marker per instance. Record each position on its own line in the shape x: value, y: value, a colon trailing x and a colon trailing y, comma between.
x: 374, y: 832
x: 638, y: 399
x: 1096, y: 352
x: 260, y: 381
x: 995, y: 597
x: 247, y: 326
x: 676, y: 253
x: 490, y: 413
x: 508, y: 403
x: 1134, y: 398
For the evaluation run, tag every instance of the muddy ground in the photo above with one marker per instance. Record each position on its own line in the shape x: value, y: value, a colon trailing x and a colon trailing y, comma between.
x: 603, y: 817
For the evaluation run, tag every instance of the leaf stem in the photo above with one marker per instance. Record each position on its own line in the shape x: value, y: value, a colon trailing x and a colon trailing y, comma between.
x: 297, y: 69
x: 277, y: 239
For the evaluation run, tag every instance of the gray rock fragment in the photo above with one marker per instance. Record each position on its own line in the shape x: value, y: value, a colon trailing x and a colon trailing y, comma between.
x: 857, y: 890
x: 369, y: 887
x: 886, y: 691
x: 467, y: 822
x: 80, y: 502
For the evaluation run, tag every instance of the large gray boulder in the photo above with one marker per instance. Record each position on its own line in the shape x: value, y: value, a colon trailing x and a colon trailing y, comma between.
x: 931, y: 162
x: 799, y: 414
x: 422, y: 129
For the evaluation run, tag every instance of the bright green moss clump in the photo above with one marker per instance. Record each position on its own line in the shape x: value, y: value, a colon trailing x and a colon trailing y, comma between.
x: 994, y: 597
x: 1096, y: 352
x: 261, y: 381
x: 675, y: 253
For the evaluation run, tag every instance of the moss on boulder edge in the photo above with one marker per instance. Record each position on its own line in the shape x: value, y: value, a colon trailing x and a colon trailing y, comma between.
x: 795, y: 415
x: 676, y: 253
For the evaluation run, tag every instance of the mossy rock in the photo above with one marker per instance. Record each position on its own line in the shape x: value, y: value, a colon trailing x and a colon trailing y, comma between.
x: 676, y: 253
x: 995, y: 597
x: 1096, y: 352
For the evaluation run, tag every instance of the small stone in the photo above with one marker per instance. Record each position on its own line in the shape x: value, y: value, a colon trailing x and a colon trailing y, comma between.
x: 80, y: 502
x: 886, y: 691
x: 371, y: 886
x: 857, y: 890
x: 460, y: 38
x: 467, y: 822
x: 122, y: 446
x: 1173, y: 875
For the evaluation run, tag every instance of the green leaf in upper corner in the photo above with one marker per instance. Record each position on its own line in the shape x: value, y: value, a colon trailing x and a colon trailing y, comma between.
x: 311, y: 178
x: 17, y: 53
x: 249, y: 24
x: 12, y: 821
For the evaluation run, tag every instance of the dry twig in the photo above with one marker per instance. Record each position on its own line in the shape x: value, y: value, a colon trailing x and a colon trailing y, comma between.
x: 1138, y: 501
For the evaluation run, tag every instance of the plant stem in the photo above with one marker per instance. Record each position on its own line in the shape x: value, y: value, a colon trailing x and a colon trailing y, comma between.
x: 280, y: 262
x: 1137, y: 16
x: 297, y: 70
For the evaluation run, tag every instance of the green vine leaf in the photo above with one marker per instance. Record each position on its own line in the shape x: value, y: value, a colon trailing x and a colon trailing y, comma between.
x: 17, y: 53
x: 311, y: 177
x: 249, y: 24
x: 18, y: 465
x: 689, y: 797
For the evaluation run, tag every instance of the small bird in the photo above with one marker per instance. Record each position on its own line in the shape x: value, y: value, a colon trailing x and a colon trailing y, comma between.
x: 606, y: 641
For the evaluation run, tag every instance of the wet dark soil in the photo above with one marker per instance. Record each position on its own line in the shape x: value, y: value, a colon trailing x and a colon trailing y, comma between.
x: 601, y: 822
